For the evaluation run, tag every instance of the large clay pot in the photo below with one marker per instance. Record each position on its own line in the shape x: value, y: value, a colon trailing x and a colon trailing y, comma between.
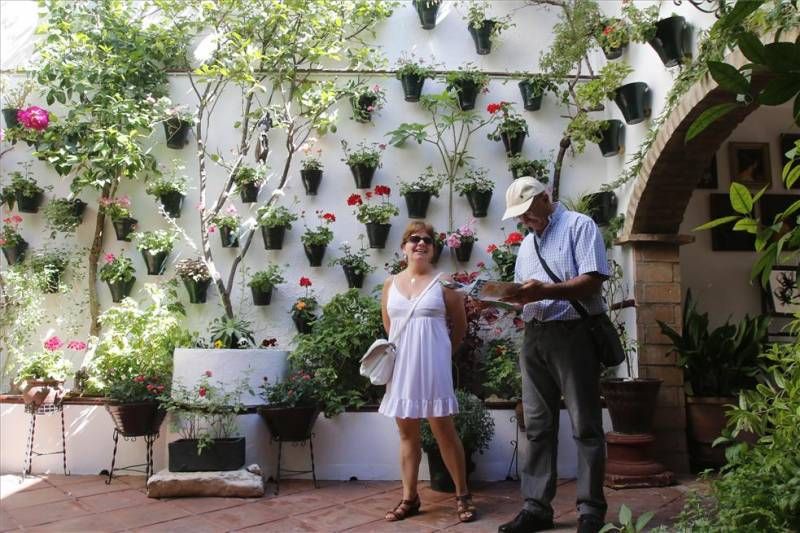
x: 137, y: 418
x: 37, y: 392
x: 631, y: 403
x: 290, y: 424
x: 705, y: 420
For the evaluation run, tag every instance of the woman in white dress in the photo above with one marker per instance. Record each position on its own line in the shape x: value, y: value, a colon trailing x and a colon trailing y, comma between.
x: 422, y: 382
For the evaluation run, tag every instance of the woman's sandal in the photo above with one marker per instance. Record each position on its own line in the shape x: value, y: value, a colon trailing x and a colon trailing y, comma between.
x: 466, y: 510
x: 404, y: 509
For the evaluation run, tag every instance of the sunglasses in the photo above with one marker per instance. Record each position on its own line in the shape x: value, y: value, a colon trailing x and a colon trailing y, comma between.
x: 414, y: 239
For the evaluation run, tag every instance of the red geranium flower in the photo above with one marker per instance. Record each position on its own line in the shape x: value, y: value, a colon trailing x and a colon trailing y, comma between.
x: 491, y: 248
x: 493, y: 108
x: 202, y: 392
x: 329, y: 217
x: 305, y: 282
x: 368, y: 194
x: 355, y: 199
x: 514, y: 238
x: 382, y: 190
x: 607, y: 30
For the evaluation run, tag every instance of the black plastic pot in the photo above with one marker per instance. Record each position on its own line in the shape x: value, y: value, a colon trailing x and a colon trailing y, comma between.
x: 466, y: 93
x: 124, y: 227
x: 249, y: 192
x: 120, y: 289
x: 482, y: 37
x: 611, y: 142
x: 261, y: 296
x: 11, y: 117
x: 222, y: 454
x: 155, y: 262
x: 315, y: 253
x: 15, y: 254
x: 273, y: 237
x: 437, y: 252
x: 229, y: 237
x: 464, y: 252
x: 172, y: 202
x: 177, y: 133
x: 441, y: 481
x: 52, y: 280
x: 669, y: 40
x: 197, y: 290
x: 28, y: 204
x: 289, y: 424
x: 137, y: 418
x: 417, y: 203
x: 311, y: 180
x: 613, y: 53
x: 377, y: 234
x: 78, y: 208
x: 355, y: 280
x: 479, y: 202
x: 412, y: 87
x: 631, y: 403
x: 530, y: 100
x: 602, y: 206
x: 361, y: 112
x: 362, y: 174
x: 633, y: 99
x: 302, y: 325
x: 513, y: 143
x: 427, y: 10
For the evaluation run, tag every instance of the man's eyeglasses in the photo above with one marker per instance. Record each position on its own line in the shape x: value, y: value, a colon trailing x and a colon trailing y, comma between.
x: 414, y: 239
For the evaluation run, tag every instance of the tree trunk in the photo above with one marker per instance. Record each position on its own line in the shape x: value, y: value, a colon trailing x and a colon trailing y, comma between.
x: 94, y: 258
x: 562, y: 151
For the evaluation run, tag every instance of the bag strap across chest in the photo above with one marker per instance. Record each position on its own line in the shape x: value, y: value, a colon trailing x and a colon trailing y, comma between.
x: 398, y: 327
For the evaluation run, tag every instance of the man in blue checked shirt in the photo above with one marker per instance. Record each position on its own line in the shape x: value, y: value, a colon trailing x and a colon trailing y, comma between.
x: 562, y: 266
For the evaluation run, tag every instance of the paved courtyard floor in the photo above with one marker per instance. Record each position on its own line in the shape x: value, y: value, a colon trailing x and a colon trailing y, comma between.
x: 85, y: 503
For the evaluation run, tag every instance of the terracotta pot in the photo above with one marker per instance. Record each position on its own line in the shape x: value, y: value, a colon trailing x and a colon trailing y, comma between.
x: 705, y: 420
x: 37, y: 392
x: 289, y: 424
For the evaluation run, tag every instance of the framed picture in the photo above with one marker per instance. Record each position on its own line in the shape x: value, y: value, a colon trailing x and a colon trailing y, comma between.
x: 709, y: 178
x: 750, y: 164
x: 783, y: 297
x: 723, y: 238
x: 787, y: 141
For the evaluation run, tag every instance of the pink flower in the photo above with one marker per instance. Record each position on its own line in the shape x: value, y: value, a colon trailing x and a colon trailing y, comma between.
x: 16, y: 219
x: 200, y: 206
x: 34, y: 118
x: 202, y: 392
x: 212, y: 228
x: 207, y: 373
x: 124, y: 201
x: 109, y: 258
x: 454, y: 241
x: 78, y: 346
x: 376, y: 88
x: 382, y: 146
x: 231, y: 210
x: 2, y: 134
x: 466, y: 231
x: 480, y: 264
x: 370, y: 108
x: 53, y: 343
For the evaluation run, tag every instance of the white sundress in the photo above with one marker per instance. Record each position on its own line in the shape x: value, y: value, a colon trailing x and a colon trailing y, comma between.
x: 422, y: 381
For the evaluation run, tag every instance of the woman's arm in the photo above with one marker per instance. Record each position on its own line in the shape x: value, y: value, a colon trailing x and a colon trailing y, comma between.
x: 454, y: 303
x: 384, y: 299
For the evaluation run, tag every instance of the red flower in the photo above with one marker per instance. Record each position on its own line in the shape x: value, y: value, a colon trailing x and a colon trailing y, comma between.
x: 329, y: 217
x: 305, y: 282
x: 491, y: 248
x: 354, y: 199
x: 368, y: 194
x: 139, y: 379
x: 16, y: 219
x: 266, y: 343
x: 607, y: 30
x: 514, y: 238
x: 382, y: 190
x: 202, y: 392
x: 208, y: 373
x: 493, y: 108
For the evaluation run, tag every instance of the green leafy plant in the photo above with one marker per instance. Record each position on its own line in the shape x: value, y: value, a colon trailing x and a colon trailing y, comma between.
x: 540, y: 83
x: 273, y: 216
x: 474, y: 180
x: 63, y: 215
x: 248, y: 175
x: 501, y: 368
x: 299, y: 389
x: 626, y: 522
x: 23, y: 184
x: 429, y: 181
x: 117, y: 269
x: 16, y: 97
x: 505, y: 255
x: 368, y: 155
x: 50, y: 264
x: 156, y: 241
x: 228, y: 219
x: 409, y: 65
x: 48, y: 363
x: 320, y: 235
x: 171, y: 179
x: 593, y: 93
x: 311, y: 161
x: 640, y: 23
x: 536, y: 168
x: 365, y: 100
x: 357, y: 260
x: 227, y: 332
x: 192, y: 268
x: 510, y: 123
x: 305, y: 307
x: 116, y: 208
x: 466, y: 73
x: 268, y: 278
x: 474, y: 425
x: 611, y: 34
x: 167, y: 110
x: 476, y: 16
x: 371, y: 211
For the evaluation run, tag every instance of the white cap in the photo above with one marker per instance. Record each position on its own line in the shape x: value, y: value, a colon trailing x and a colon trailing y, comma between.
x: 520, y: 194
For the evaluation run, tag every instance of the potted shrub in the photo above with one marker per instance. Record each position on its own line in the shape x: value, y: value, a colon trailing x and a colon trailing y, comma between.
x: 717, y: 364
x: 155, y: 246
x: 483, y: 29
x: 601, y: 206
x: 418, y: 192
x: 427, y: 10
x: 196, y: 278
x: 594, y: 93
x: 14, y: 100
x: 375, y: 214
x: 119, y: 274
x: 178, y: 121
x: 462, y: 240
x: 412, y: 74
x: 535, y: 168
x: 512, y: 128
x: 41, y: 375
x: 170, y: 188
x: 475, y: 428
x: 304, y: 308
x: 477, y: 187
x: 363, y: 161
x: 27, y: 193
x: 274, y: 221
x: 50, y: 265
x: 64, y: 215
x: 11, y: 241
x: 505, y: 255
x: 119, y: 210
x: 466, y: 83
x: 227, y: 223
x: 315, y: 240
x: 612, y: 132
x: 311, y: 172
x: 262, y: 283
x: 354, y: 264
x: 532, y: 89
x: 613, y: 35
x: 7, y: 197
x: 231, y: 332
x: 365, y: 100
x: 633, y: 99
x: 204, y: 415
x: 247, y: 181
x: 292, y: 406
x: 502, y: 377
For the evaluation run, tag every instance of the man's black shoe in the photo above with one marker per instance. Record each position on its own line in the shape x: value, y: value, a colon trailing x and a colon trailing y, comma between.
x: 588, y: 523
x: 526, y: 522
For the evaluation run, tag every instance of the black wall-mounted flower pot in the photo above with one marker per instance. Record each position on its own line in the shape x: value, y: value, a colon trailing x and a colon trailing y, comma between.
x: 466, y: 93
x: 249, y: 192
x: 52, y: 280
x: 229, y: 237
x: 155, y: 262
x: 289, y: 424
x: 613, y: 53
x: 361, y: 105
x: 611, y: 142
x: 124, y: 227
x: 602, y: 206
x: 222, y: 454
x: 15, y: 254
x: 479, y: 202
x: 669, y: 40
x: 633, y: 99
x: 177, y: 133
x: 315, y: 253
x: 482, y: 37
x: 11, y: 117
x: 412, y: 87
x: 311, y: 179
x: 273, y: 237
x: 261, y: 296
x: 530, y: 100
x: 197, y: 290
x: 28, y: 204
x: 120, y: 289
x: 377, y: 234
x: 302, y: 325
x: 427, y: 11
x: 362, y: 174
x: 417, y: 203
x: 78, y: 208
x: 437, y: 252
x: 172, y: 202
x: 355, y: 280
x: 464, y: 252
x: 513, y: 143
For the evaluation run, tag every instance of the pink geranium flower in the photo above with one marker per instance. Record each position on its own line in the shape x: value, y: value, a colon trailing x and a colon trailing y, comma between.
x: 53, y: 343
x: 34, y: 117
x: 78, y: 346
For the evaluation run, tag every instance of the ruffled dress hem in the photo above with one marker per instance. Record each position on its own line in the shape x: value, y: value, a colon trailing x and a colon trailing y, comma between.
x: 400, y: 408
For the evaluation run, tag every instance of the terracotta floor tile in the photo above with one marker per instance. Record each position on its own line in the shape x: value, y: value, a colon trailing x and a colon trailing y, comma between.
x: 290, y: 486
x: 44, y: 514
x: 143, y: 515
x: 33, y: 497
x: 402, y: 526
x: 13, y: 483
x: 60, y: 480
x: 344, y: 491
x: 244, y: 516
x: 136, y: 482
x: 336, y: 518
x: 97, y: 486
x: 207, y: 505
x: 378, y: 504
x: 188, y: 524
x: 109, y: 501
x: 285, y: 525
x: 436, y: 516
x: 82, y: 524
x: 7, y: 523
x: 299, y: 503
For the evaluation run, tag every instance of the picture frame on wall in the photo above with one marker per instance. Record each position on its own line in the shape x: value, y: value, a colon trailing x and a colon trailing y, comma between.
x: 786, y: 142
x: 783, y: 293
x: 723, y: 238
x: 709, y: 178
x: 749, y: 164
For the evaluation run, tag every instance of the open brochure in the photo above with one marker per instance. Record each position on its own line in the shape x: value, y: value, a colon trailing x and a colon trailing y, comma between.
x: 487, y: 291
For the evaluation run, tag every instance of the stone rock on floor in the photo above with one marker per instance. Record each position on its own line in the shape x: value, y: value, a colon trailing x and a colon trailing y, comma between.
x: 242, y: 483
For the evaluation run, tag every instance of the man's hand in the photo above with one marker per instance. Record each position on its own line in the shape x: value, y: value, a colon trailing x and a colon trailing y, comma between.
x: 530, y: 291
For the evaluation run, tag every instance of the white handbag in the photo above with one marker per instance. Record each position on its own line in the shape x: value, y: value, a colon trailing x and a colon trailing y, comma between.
x: 377, y: 364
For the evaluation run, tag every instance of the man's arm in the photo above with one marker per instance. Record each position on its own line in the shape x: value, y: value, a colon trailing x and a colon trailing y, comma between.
x: 579, y: 287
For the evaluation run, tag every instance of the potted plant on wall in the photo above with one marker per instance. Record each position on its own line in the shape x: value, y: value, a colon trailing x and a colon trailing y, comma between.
x: 119, y: 210
x: 155, y: 247
x: 304, y: 308
x: 427, y: 10
x: 12, y: 243
x: 669, y: 40
x: 41, y: 375
x: 195, y: 276
x: 418, y: 192
x: 292, y: 406
x: 178, y: 122
x: 613, y: 35
x: 311, y: 171
x: 482, y: 29
x: 227, y: 223
x: 462, y: 240
x: 27, y: 193
x: 315, y: 240
x: 262, y: 283
x: 274, y: 221
x: 119, y: 274
x: 14, y: 99
x: 231, y: 333
x: 511, y: 129
x: 505, y: 255
x: 466, y: 83
x: 354, y: 264
x: 247, y: 181
x: 375, y: 214
x: 535, y: 168
x: 412, y: 74
x: 502, y: 375
x: 532, y: 88
x: 475, y: 428
x: 601, y: 206
x: 363, y: 161
x: 64, y: 215
x: 170, y: 188
x: 476, y: 185
x: 365, y: 100
x: 50, y: 264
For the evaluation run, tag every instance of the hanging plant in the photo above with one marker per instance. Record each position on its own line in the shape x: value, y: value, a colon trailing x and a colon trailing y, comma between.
x: 483, y: 29
x: 228, y: 225
x: 418, y: 192
x: 532, y: 88
x: 274, y: 221
x: 11, y: 241
x: 412, y: 73
x: 119, y: 210
x: 311, y: 171
x: 365, y: 100
x: 511, y: 128
x: 155, y: 246
x: 315, y: 240
x: 196, y: 278
x: 64, y: 215
x: 262, y: 283
x: 477, y: 187
x: 466, y: 83
x: 363, y: 161
x: 355, y: 264
x: 170, y: 188
x: 247, y: 181
x: 118, y: 272
x: 535, y: 168
x: 27, y: 193
x: 612, y: 35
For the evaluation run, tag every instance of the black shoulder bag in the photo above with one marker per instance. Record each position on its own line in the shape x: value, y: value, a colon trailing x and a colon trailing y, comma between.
x: 604, y: 334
